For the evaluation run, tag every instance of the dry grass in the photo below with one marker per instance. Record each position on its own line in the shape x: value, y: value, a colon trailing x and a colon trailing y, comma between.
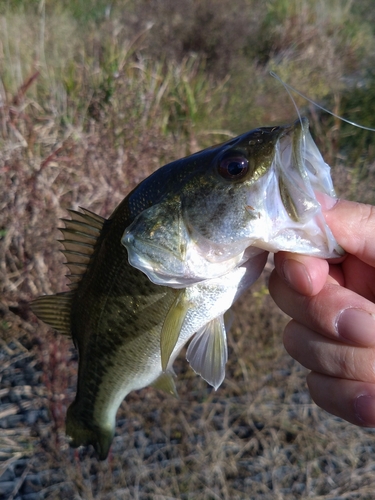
x: 80, y: 125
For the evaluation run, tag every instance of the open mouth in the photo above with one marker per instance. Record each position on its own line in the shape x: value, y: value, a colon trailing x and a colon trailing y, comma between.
x: 301, y: 172
x: 289, y: 208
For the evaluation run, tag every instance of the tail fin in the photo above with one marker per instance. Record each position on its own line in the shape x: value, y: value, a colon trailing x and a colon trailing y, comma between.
x: 83, y: 433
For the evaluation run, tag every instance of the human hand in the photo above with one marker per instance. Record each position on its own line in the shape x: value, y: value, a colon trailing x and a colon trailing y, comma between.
x: 332, y: 305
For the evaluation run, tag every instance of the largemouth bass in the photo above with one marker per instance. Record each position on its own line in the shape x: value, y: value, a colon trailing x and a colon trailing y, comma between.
x: 171, y: 260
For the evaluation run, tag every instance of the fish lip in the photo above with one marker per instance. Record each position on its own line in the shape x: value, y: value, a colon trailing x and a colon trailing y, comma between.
x: 301, y: 123
x: 296, y: 131
x: 300, y: 126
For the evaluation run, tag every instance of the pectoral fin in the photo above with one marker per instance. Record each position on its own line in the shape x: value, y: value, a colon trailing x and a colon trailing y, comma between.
x: 208, y: 352
x: 172, y: 327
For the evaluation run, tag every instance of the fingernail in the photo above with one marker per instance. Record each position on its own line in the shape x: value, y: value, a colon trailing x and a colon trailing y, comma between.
x: 296, y: 275
x: 356, y: 326
x: 364, y: 407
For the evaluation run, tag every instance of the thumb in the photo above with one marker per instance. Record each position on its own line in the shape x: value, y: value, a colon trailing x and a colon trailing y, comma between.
x: 353, y: 226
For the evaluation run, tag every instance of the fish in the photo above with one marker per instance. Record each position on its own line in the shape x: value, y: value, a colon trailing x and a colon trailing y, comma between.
x: 170, y: 261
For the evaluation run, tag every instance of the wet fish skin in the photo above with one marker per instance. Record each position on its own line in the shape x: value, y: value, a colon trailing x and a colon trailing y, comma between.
x: 170, y: 260
x: 120, y: 305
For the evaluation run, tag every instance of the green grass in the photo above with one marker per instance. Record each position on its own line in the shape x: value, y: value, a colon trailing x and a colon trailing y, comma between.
x: 91, y: 102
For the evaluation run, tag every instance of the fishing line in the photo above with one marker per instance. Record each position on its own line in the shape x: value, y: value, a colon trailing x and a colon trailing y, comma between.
x: 286, y: 87
x: 289, y: 87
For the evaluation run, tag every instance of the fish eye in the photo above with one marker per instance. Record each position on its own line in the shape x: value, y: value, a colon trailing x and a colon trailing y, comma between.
x: 233, y: 166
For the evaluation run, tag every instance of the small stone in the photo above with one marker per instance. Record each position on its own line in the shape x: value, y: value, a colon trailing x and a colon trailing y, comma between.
x: 32, y: 417
x: 14, y: 421
x: 32, y: 496
x: 8, y: 475
x: 32, y: 484
x: 14, y: 397
x: 6, y: 488
x: 19, y: 466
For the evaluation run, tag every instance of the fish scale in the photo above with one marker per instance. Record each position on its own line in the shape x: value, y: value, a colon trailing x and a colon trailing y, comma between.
x: 136, y: 322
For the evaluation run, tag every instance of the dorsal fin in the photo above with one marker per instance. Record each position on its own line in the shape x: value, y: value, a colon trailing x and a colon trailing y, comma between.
x: 54, y: 310
x: 79, y: 239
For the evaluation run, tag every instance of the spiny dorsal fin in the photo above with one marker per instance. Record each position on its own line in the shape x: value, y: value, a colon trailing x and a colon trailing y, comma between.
x: 166, y: 383
x: 79, y: 239
x: 93, y: 219
x: 54, y: 310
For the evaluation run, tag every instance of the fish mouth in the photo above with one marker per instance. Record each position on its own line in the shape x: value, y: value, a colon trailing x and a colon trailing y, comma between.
x: 290, y: 207
x: 302, y: 172
x: 299, y: 201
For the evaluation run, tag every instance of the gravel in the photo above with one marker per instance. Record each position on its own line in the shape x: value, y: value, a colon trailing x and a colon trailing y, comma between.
x: 23, y: 415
